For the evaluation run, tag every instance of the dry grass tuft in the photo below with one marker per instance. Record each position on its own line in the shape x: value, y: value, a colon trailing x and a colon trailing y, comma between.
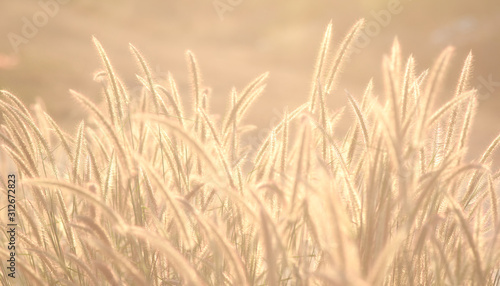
x: 153, y: 194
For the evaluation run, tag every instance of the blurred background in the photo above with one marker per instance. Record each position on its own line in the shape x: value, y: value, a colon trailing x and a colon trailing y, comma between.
x: 46, y: 48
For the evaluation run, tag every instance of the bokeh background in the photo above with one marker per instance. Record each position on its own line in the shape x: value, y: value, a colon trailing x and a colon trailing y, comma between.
x: 235, y: 41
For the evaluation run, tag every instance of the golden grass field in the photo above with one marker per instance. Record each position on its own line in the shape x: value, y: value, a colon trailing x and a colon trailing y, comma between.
x: 338, y: 180
x: 256, y: 36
